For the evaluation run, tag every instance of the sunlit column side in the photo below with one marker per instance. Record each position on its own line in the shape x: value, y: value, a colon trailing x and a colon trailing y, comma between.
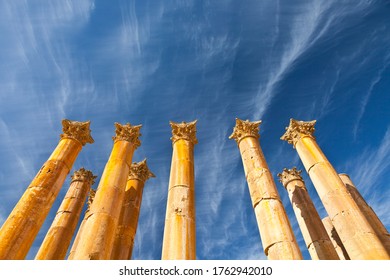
x: 179, y: 232
x: 368, y: 212
x: 356, y: 233
x: 97, y: 238
x: 128, y: 221
x: 92, y: 193
x: 58, y: 238
x: 313, y: 231
x: 277, y: 237
x: 335, y: 238
x: 23, y: 224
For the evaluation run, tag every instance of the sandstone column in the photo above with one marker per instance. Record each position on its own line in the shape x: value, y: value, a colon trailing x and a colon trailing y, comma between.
x: 128, y: 221
x: 23, y: 224
x: 59, y: 236
x: 277, y: 237
x: 355, y: 232
x: 179, y: 233
x: 92, y: 193
x: 314, y: 233
x: 368, y: 212
x: 335, y: 238
x: 97, y: 237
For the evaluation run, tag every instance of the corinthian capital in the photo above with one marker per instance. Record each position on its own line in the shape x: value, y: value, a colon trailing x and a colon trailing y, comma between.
x: 140, y: 171
x: 289, y: 175
x: 84, y: 175
x: 297, y: 129
x: 183, y: 130
x: 245, y: 129
x: 78, y: 131
x: 128, y: 133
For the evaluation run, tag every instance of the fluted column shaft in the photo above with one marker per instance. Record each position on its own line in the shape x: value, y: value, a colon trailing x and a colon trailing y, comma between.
x: 355, y: 232
x: 23, y: 224
x: 59, y: 236
x: 277, y: 237
x: 313, y: 231
x: 335, y: 238
x: 97, y: 238
x: 179, y: 241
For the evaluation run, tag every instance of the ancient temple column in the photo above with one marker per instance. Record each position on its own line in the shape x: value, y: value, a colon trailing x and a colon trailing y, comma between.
x: 277, y: 237
x: 92, y: 193
x: 179, y: 232
x: 128, y: 220
x: 313, y: 231
x: 368, y: 212
x: 357, y: 235
x: 335, y: 238
x: 97, y: 237
x: 59, y: 236
x: 23, y: 224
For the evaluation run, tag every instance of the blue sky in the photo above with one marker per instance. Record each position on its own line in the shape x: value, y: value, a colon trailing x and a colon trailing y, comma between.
x: 149, y: 62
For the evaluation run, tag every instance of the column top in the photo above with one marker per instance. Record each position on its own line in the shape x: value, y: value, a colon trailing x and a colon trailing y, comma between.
x: 140, y: 171
x: 297, y: 129
x: 83, y: 175
x: 244, y: 129
x: 128, y: 132
x: 289, y: 175
x: 78, y: 131
x: 184, y: 130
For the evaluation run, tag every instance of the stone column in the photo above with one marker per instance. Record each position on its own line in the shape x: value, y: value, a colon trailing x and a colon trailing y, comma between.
x: 58, y: 238
x: 23, y: 224
x: 313, y: 231
x: 277, y: 237
x: 179, y: 233
x: 97, y: 237
x: 368, y: 212
x: 92, y: 193
x: 335, y: 238
x: 128, y: 220
x: 355, y: 232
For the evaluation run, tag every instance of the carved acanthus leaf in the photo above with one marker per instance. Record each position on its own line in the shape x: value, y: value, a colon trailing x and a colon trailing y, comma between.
x: 289, y: 175
x: 184, y: 130
x: 127, y: 132
x: 297, y: 129
x: 140, y: 171
x: 77, y: 130
x: 245, y: 129
x: 84, y: 175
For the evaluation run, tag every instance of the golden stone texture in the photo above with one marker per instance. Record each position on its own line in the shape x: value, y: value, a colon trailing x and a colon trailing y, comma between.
x: 277, y: 237
x: 59, y: 236
x: 128, y: 220
x: 335, y: 238
x: 97, y: 237
x: 179, y: 241
x: 356, y: 233
x: 313, y: 231
x: 23, y: 224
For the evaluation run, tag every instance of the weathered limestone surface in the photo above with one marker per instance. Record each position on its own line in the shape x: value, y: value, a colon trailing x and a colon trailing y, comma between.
x: 97, y: 237
x: 313, y: 231
x: 356, y: 233
x: 59, y: 236
x: 179, y: 241
x: 23, y: 224
x: 128, y: 220
x: 277, y: 237
x: 335, y: 238
x: 368, y: 212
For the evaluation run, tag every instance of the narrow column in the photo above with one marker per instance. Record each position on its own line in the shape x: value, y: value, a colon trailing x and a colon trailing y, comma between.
x: 368, y: 212
x: 23, y: 224
x: 277, y: 237
x: 92, y: 193
x: 314, y: 233
x: 335, y: 238
x: 128, y: 221
x: 59, y: 236
x: 357, y: 235
x: 97, y: 238
x: 179, y: 233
